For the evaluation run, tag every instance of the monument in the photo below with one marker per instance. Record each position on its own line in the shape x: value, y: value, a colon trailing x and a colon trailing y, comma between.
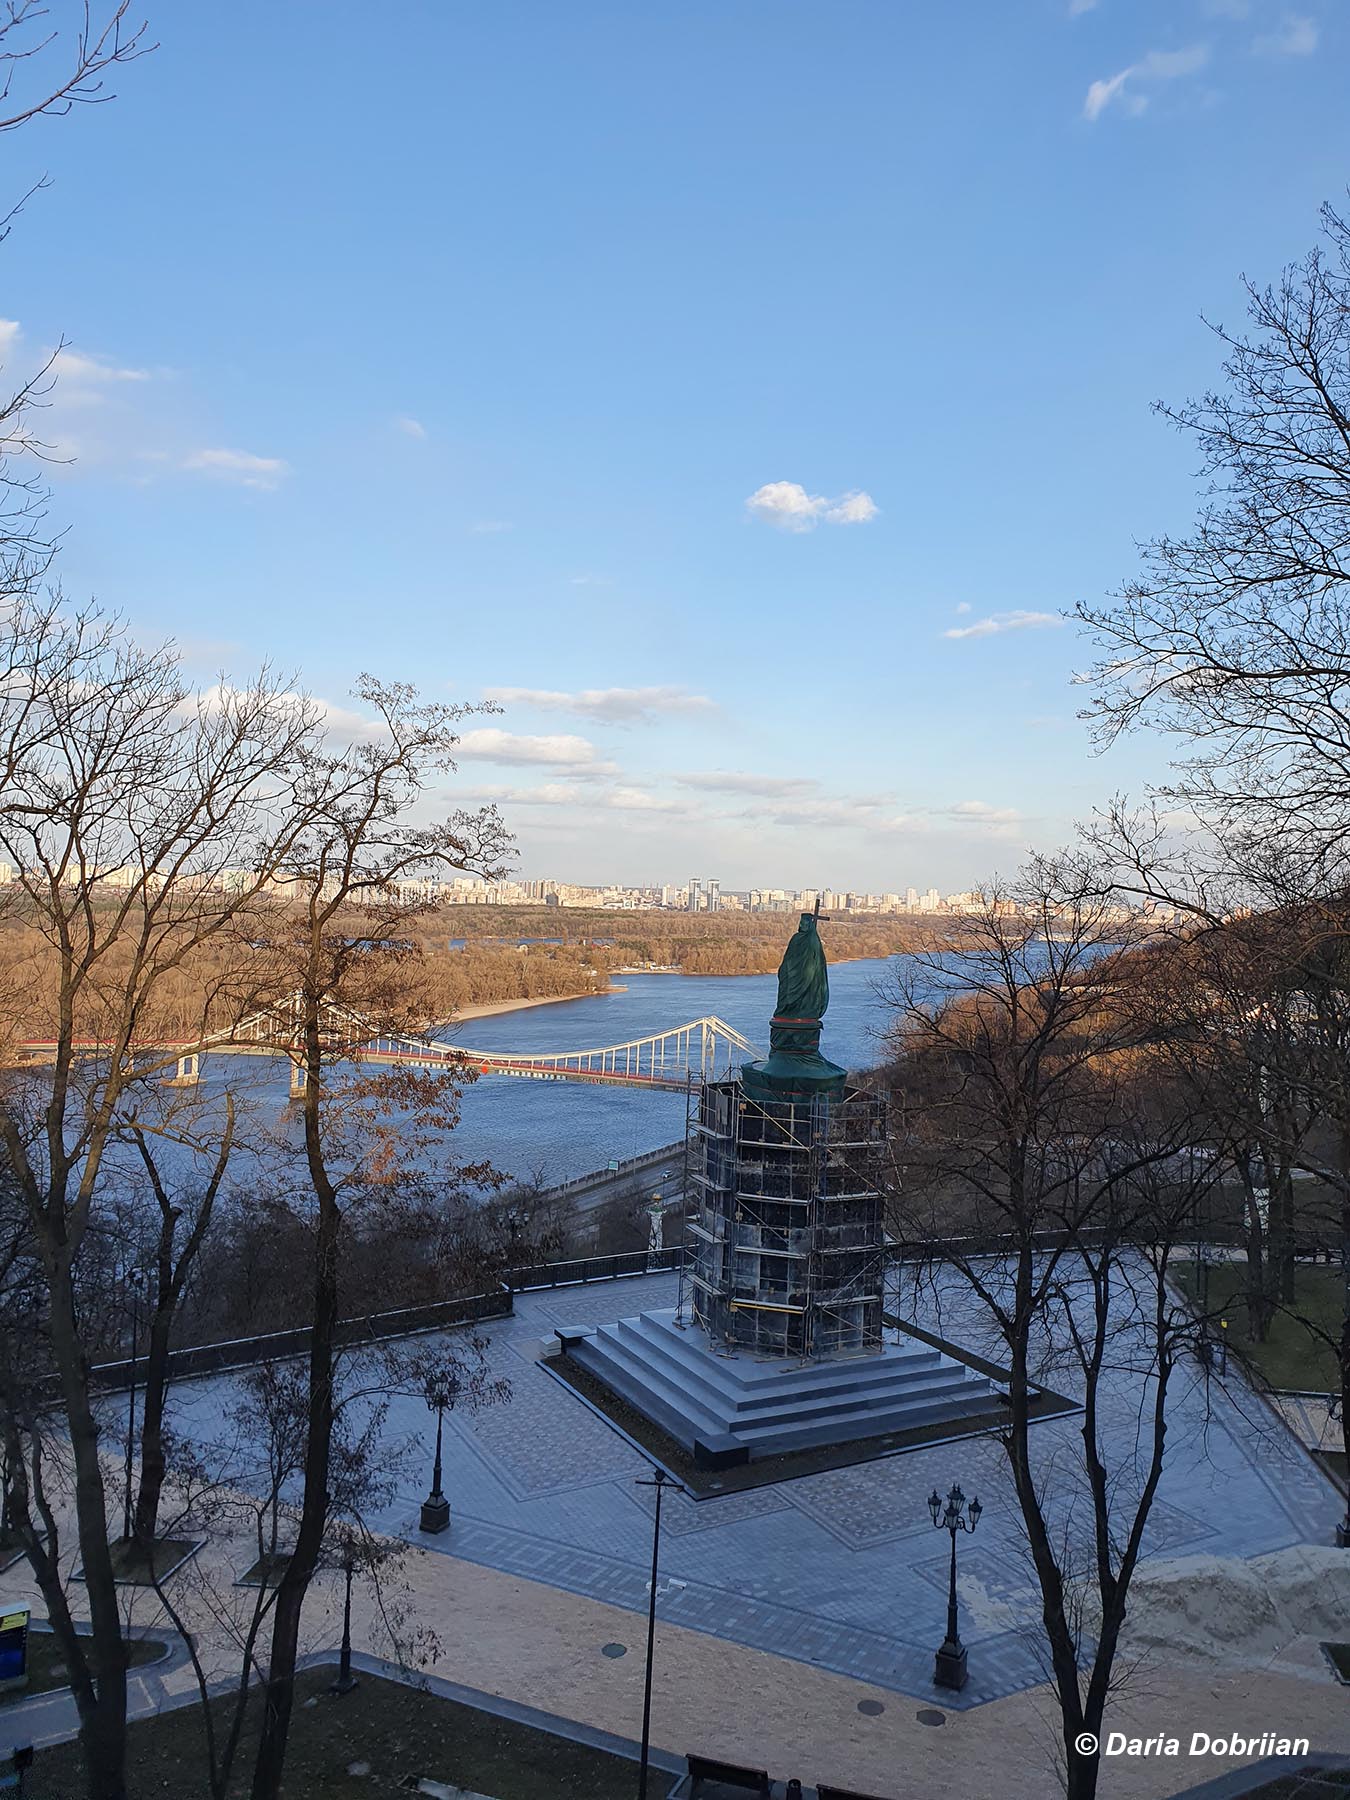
x: 778, y: 1343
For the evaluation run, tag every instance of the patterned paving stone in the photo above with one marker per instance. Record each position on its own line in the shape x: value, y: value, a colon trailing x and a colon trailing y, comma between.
x: 841, y: 1569
x: 536, y: 1447
x: 878, y: 1502
x: 680, y: 1515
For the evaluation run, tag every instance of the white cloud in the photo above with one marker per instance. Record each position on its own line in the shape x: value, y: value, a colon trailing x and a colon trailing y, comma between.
x: 1006, y: 621
x: 730, y: 781
x: 981, y: 812
x: 413, y: 428
x: 851, y: 509
x: 616, y: 706
x: 1077, y: 7
x: 560, y: 751
x: 1297, y: 36
x: 548, y: 793
x: 631, y: 799
x: 963, y: 607
x: 88, y: 373
x: 10, y: 333
x: 239, y: 466
x: 788, y: 505
x: 1158, y: 65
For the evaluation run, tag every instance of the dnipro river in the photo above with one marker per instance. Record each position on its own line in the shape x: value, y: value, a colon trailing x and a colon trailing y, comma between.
x: 558, y: 1129
x: 564, y: 1128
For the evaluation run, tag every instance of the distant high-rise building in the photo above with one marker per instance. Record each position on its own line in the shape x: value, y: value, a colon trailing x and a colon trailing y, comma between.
x: 912, y: 899
x: 714, y: 892
x: 692, y: 902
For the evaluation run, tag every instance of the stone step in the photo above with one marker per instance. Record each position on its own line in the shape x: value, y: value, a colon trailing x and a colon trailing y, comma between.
x: 773, y: 1440
x: 743, y: 1383
x: 788, y: 1398
x: 664, y: 1403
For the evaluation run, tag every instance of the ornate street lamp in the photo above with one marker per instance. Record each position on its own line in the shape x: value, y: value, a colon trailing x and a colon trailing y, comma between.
x: 950, y: 1668
x: 440, y: 1392
x: 346, y: 1681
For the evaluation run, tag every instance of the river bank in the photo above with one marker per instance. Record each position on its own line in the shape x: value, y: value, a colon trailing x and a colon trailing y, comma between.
x: 506, y: 1006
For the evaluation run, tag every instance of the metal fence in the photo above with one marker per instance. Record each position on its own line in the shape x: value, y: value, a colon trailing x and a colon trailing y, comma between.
x: 238, y: 1353
x: 530, y: 1278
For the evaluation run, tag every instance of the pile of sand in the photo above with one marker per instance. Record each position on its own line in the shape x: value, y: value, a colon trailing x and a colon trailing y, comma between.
x: 1233, y: 1609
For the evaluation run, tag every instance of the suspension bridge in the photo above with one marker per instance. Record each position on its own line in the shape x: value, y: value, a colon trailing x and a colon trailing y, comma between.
x: 702, y: 1050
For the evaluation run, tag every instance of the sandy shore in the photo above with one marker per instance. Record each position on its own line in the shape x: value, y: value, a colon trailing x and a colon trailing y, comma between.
x: 505, y: 1006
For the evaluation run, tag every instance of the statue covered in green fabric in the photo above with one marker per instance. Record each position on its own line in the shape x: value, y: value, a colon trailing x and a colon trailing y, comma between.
x: 803, y: 979
x: 794, y: 1068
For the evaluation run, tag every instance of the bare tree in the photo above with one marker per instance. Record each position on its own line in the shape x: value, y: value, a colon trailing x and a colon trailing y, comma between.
x: 1236, y: 637
x: 355, y: 875
x: 1056, y: 1182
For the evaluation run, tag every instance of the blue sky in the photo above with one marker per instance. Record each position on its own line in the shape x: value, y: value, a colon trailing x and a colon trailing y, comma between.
x: 742, y: 390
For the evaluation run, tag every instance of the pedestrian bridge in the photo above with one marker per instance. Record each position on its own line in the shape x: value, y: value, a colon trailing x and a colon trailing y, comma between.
x: 702, y: 1050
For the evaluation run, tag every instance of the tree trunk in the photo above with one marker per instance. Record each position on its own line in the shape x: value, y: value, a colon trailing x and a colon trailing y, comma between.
x: 279, y: 1694
x: 103, y: 1725
x: 1282, y: 1201
x: 145, y: 1523
x: 1258, y: 1296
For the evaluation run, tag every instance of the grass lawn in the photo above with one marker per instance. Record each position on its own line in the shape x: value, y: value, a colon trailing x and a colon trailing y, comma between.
x: 1291, y: 1356
x: 47, y: 1670
x: 399, y: 1732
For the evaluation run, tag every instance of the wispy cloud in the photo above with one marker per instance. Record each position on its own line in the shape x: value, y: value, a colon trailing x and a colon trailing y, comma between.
x: 88, y: 377
x: 1005, y: 621
x: 410, y: 427
x: 616, y: 706
x: 1122, y: 89
x: 1077, y: 7
x: 561, y: 750
x: 1297, y: 36
x: 238, y: 466
x: 787, y: 505
x: 733, y: 781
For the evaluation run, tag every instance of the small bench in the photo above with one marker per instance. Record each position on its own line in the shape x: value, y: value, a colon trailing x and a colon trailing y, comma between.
x: 715, y: 1780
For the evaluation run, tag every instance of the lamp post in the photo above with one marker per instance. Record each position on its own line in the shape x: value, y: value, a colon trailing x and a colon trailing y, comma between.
x: 660, y: 1481
x: 439, y: 1392
x: 135, y: 1281
x: 950, y: 1667
x: 346, y: 1681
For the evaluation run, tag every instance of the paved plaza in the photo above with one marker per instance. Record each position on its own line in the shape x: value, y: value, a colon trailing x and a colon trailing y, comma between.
x: 840, y: 1570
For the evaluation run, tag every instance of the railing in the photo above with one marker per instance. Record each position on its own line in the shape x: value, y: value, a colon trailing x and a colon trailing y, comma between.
x: 634, y: 1165
x: 532, y: 1277
x: 239, y: 1353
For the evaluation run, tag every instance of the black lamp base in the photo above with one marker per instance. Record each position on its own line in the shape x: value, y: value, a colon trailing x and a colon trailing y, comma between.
x: 949, y: 1670
x: 435, y: 1513
x: 344, y: 1684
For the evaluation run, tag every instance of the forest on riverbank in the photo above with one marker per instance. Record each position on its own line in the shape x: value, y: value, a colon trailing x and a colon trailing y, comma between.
x: 721, y: 943
x: 465, y: 956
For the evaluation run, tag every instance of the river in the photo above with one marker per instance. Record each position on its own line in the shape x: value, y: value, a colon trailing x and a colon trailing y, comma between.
x: 561, y: 1129
x: 557, y: 1129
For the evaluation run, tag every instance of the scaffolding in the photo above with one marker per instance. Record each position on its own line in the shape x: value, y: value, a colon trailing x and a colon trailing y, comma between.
x: 784, y: 1251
